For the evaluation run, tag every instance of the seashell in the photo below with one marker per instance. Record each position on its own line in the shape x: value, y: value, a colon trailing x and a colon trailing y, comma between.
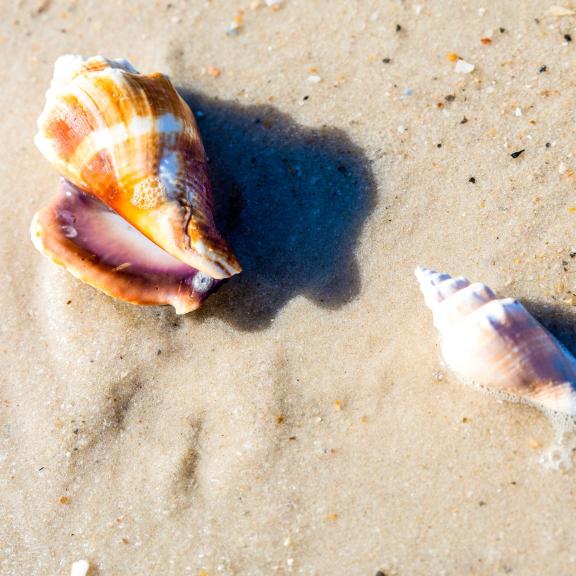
x: 134, y: 186
x: 497, y: 345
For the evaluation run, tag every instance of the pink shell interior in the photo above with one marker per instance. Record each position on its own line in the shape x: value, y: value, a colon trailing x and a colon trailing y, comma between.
x: 106, y: 251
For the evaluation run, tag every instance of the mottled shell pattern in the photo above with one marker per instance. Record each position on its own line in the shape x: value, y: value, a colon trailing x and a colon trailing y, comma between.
x: 496, y: 344
x: 130, y: 143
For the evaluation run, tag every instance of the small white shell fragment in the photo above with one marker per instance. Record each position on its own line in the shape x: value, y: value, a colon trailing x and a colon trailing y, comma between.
x: 272, y: 3
x: 314, y: 78
x: 518, y: 112
x: 233, y: 28
x: 80, y: 568
x: 560, y: 11
x: 463, y: 67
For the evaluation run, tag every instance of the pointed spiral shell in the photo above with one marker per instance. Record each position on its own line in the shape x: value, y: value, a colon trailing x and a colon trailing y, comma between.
x: 496, y: 344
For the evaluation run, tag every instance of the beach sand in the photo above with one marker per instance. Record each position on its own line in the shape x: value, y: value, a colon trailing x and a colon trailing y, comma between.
x: 301, y: 422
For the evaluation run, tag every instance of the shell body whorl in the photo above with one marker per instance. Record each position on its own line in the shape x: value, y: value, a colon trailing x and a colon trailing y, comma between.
x: 495, y: 343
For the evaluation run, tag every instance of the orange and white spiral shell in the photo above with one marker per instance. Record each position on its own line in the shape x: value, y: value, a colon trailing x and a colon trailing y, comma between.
x: 128, y: 141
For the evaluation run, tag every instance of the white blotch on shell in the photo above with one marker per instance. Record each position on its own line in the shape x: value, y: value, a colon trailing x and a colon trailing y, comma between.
x: 69, y: 231
x: 201, y: 282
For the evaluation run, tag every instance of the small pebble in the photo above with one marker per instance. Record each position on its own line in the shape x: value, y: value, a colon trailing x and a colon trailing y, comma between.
x: 517, y: 153
x: 233, y: 29
x: 80, y: 568
x: 560, y: 11
x: 463, y: 67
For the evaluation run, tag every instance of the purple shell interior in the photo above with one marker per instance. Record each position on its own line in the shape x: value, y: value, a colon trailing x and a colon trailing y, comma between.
x: 94, y: 227
x: 114, y: 244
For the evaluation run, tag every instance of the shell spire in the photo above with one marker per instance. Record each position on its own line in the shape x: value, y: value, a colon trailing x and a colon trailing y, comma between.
x: 495, y: 343
x: 131, y: 158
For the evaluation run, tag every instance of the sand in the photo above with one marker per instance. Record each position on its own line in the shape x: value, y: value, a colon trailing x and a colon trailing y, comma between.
x: 301, y: 422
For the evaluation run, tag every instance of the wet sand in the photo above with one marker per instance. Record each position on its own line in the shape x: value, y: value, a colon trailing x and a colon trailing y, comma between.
x: 301, y: 422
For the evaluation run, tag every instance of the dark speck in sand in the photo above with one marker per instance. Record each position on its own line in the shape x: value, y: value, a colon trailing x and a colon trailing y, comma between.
x: 567, y: 37
x: 472, y: 180
x: 398, y: 28
x: 543, y: 68
x: 502, y: 30
x: 481, y: 503
x: 464, y: 120
x: 380, y: 573
x: 517, y: 153
x: 548, y: 144
x: 450, y: 97
x: 305, y: 97
x: 439, y: 145
x: 386, y: 60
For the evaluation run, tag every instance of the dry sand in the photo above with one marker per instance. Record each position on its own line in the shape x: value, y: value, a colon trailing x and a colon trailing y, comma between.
x: 301, y: 422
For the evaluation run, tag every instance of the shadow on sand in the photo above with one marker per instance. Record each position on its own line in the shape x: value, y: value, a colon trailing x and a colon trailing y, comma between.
x: 291, y: 201
x: 557, y: 319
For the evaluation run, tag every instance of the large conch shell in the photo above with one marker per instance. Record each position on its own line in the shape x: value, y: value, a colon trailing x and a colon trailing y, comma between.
x: 496, y: 344
x: 133, y: 216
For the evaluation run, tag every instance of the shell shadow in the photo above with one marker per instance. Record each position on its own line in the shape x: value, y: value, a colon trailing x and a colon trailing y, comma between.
x: 558, y: 320
x: 291, y: 201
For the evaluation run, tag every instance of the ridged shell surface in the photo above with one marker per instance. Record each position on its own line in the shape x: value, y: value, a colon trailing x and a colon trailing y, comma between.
x: 497, y: 344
